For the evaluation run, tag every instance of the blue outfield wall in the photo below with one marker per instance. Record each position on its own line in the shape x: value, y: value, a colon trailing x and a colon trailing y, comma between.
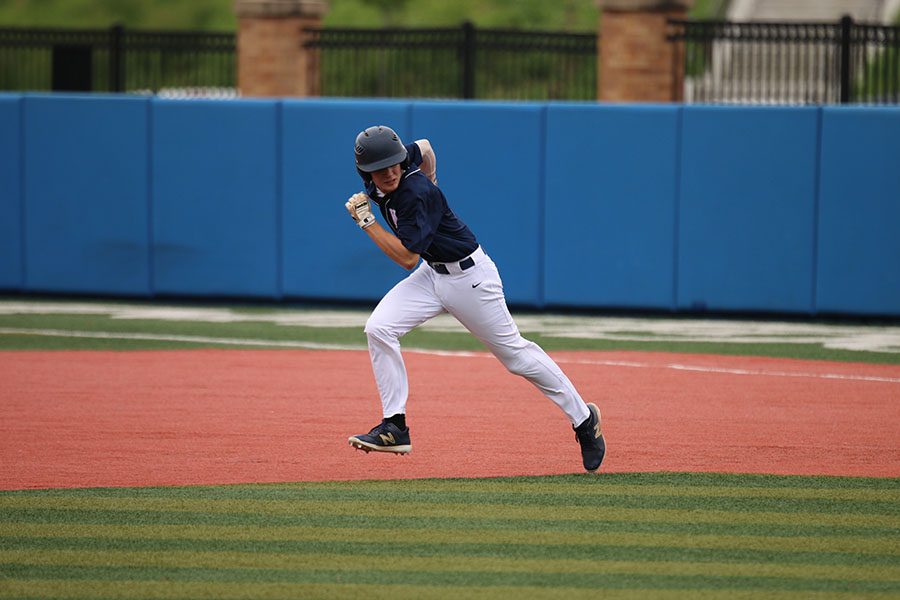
x: 324, y: 254
x: 86, y: 203
x: 746, y: 215
x: 216, y: 208
x: 858, y: 246
x: 661, y: 207
x: 610, y: 227
x: 11, y: 268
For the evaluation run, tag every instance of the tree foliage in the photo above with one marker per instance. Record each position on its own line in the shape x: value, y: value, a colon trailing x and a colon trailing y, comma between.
x: 218, y: 15
x: 572, y: 15
x: 207, y: 15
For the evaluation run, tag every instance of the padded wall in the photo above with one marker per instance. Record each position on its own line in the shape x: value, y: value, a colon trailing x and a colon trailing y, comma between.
x: 747, y: 208
x: 490, y: 164
x: 325, y: 254
x: 859, y: 212
x: 11, y: 272
x: 216, y: 208
x: 610, y: 224
x: 86, y: 194
x: 790, y: 210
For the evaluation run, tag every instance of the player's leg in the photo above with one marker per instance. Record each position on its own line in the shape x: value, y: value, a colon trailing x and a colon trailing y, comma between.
x: 477, y: 300
x: 482, y: 310
x: 409, y: 304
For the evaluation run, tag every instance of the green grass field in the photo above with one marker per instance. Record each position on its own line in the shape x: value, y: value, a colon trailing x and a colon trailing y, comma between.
x: 622, y: 535
x: 129, y: 326
x: 639, y: 535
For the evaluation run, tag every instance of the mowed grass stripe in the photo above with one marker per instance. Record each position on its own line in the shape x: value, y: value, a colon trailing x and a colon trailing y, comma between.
x: 344, y: 562
x: 474, y: 520
x: 532, y: 490
x: 436, y: 509
x: 26, y: 589
x: 593, y: 580
x: 481, y: 490
x: 598, y: 551
x: 549, y: 482
x: 842, y: 544
x: 817, y: 536
x: 351, y: 492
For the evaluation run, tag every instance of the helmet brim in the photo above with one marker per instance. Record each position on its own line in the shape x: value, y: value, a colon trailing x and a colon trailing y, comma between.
x: 394, y: 159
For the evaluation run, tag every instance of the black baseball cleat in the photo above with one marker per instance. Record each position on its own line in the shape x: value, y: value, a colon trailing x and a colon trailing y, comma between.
x: 589, y: 436
x: 384, y: 437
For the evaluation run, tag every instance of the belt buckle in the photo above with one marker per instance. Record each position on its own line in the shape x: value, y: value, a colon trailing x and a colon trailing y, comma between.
x: 464, y: 264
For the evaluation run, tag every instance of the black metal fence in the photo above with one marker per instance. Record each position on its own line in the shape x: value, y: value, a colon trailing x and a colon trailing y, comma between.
x: 118, y: 60
x: 762, y: 63
x: 788, y: 63
x: 460, y: 62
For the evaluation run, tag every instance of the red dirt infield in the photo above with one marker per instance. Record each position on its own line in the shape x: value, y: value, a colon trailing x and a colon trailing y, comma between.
x: 97, y: 419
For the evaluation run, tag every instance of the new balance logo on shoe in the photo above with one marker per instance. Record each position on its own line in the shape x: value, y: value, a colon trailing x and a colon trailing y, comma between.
x: 384, y: 437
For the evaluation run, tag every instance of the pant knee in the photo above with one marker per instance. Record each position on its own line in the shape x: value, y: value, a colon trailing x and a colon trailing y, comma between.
x: 517, y: 365
x: 520, y: 358
x: 380, y: 332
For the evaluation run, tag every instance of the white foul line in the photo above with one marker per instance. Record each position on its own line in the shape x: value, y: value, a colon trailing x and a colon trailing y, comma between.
x: 194, y: 339
x: 730, y: 371
x: 317, y: 346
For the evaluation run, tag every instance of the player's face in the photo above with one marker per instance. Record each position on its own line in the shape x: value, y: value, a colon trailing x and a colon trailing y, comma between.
x: 387, y: 179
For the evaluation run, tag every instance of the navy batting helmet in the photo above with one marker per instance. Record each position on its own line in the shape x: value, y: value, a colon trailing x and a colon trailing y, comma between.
x: 378, y: 147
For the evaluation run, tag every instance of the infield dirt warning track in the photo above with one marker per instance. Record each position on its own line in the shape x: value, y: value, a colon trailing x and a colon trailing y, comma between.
x: 97, y: 419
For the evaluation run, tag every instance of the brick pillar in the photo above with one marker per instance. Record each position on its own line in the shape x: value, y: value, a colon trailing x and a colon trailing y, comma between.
x: 637, y: 63
x: 272, y: 60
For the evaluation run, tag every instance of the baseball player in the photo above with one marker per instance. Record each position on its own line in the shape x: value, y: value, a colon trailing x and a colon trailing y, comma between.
x: 456, y: 276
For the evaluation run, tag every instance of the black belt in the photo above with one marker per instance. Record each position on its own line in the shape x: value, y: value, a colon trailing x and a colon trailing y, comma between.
x: 464, y: 264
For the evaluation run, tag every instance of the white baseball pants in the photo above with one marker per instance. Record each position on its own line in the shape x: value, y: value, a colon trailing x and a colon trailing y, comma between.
x: 475, y: 298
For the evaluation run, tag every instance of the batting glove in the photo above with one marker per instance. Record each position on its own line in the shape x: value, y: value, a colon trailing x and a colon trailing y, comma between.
x: 360, y: 209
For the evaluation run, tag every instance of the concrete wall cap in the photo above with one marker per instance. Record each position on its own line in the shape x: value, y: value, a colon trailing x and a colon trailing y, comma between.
x: 644, y: 5
x: 280, y: 8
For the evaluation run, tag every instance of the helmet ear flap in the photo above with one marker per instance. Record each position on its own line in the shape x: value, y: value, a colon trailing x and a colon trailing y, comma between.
x: 366, y: 177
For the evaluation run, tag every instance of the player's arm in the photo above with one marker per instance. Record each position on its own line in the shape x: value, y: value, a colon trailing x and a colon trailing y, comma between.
x: 392, y: 246
x: 360, y: 209
x: 429, y: 161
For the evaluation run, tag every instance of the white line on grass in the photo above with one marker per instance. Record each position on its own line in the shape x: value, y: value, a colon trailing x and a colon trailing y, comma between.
x: 730, y: 371
x: 315, y: 346
x: 869, y: 338
x: 193, y: 339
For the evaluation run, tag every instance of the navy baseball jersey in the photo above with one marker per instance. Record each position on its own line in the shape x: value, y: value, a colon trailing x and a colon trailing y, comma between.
x: 418, y: 213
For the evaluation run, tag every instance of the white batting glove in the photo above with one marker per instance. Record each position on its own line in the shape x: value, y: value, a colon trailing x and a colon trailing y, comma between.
x: 360, y: 210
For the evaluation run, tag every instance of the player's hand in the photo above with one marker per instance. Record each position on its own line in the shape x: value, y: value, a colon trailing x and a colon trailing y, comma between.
x: 360, y: 209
